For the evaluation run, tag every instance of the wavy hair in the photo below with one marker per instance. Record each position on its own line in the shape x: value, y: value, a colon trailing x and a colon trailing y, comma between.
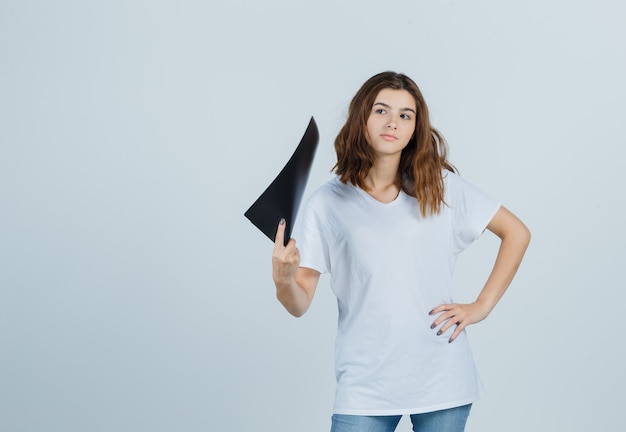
x: 421, y: 162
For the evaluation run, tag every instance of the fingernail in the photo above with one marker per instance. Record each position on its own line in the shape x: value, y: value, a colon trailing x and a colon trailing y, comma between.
x: 450, y: 340
x: 439, y: 333
x: 431, y: 312
x: 282, y: 221
x: 433, y: 326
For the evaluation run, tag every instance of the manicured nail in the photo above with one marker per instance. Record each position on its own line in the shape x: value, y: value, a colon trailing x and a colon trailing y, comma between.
x: 433, y: 326
x: 431, y: 312
x: 439, y: 333
x: 282, y: 221
x: 450, y: 340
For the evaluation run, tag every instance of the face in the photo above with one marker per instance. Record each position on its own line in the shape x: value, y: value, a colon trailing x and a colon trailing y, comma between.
x: 391, y: 123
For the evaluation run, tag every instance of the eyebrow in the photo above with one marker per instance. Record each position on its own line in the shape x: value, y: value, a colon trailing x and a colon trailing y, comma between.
x: 401, y: 109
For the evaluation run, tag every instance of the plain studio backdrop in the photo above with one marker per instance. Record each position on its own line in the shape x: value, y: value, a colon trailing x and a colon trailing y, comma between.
x: 134, y: 295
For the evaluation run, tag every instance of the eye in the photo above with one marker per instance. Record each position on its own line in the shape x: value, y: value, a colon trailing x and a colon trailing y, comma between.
x: 380, y: 111
x: 406, y: 116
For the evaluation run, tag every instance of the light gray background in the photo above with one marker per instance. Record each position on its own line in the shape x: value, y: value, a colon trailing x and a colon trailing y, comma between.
x: 135, y: 296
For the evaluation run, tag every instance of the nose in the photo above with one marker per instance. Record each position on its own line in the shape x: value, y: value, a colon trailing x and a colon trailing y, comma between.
x: 392, y: 124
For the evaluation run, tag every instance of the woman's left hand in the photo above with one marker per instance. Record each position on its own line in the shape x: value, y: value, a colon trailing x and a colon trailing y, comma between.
x: 460, y: 315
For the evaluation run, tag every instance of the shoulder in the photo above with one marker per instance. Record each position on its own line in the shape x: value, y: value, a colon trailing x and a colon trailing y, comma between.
x: 323, y: 204
x: 457, y: 187
x: 454, y: 181
x: 331, y: 191
x: 460, y: 191
x: 449, y: 176
x: 451, y: 181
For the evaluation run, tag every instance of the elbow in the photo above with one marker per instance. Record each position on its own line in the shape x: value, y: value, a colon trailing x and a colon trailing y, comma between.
x: 517, y: 236
x: 296, y: 310
x: 521, y: 237
x: 296, y: 313
x: 525, y: 236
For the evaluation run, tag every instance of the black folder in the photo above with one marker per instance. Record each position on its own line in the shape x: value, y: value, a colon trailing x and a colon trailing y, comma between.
x: 283, y: 196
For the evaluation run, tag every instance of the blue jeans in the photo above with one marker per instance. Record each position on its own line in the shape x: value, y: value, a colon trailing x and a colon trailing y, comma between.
x: 448, y: 420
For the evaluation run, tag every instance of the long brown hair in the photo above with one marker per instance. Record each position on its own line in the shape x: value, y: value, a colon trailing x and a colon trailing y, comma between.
x: 421, y: 161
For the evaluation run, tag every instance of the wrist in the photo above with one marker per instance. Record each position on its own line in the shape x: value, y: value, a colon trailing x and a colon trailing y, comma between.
x: 484, y: 305
x: 283, y: 282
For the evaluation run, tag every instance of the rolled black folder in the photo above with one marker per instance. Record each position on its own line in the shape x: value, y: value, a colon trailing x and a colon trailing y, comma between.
x: 283, y: 196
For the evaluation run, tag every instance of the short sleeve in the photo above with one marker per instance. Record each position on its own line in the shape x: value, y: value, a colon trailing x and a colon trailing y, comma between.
x: 472, y: 210
x: 308, y: 232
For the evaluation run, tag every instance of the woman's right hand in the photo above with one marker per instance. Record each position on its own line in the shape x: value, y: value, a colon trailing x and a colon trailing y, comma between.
x: 295, y: 285
x: 285, y: 259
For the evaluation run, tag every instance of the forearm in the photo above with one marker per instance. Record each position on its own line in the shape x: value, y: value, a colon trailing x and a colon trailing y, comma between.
x: 292, y: 296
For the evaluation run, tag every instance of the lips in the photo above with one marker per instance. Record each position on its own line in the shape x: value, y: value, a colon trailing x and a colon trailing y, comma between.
x: 388, y: 137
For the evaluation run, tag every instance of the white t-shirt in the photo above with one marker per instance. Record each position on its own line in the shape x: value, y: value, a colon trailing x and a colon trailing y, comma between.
x: 389, y: 267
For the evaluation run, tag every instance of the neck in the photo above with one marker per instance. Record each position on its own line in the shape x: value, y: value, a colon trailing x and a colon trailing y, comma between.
x: 382, y: 180
x: 383, y: 173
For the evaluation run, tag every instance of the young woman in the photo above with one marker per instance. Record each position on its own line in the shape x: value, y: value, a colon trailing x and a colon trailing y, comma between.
x: 388, y: 229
